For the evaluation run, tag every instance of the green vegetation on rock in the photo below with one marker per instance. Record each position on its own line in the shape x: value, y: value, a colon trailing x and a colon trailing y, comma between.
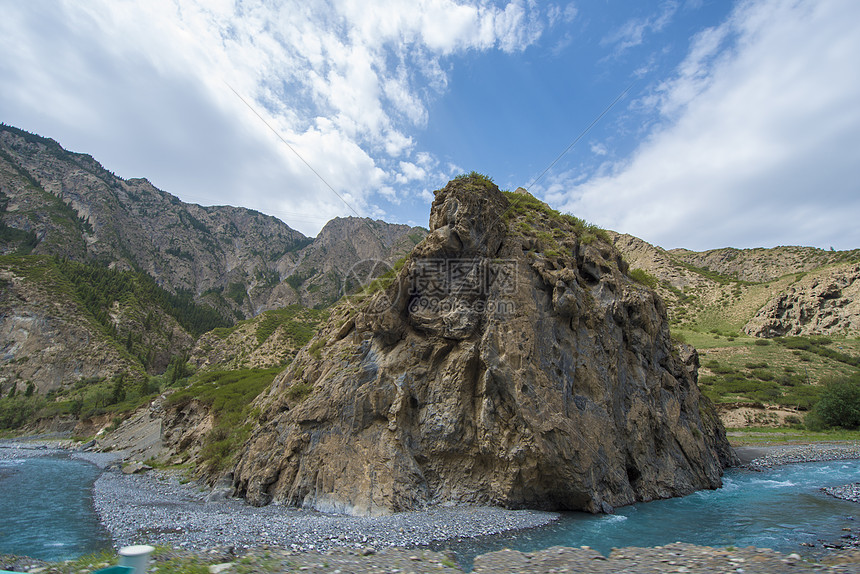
x: 527, y: 206
x: 229, y: 395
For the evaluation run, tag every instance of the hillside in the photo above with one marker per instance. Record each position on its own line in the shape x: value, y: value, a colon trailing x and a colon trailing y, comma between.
x: 139, y: 275
x: 271, y: 339
x: 771, y: 325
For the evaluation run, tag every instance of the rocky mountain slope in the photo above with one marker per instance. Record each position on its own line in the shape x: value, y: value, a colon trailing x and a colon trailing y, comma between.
x: 825, y: 302
x: 323, y: 269
x: 271, y: 339
x: 510, y: 360
x: 77, y: 209
x: 144, y: 271
x: 800, y: 288
x: 57, y: 202
x: 773, y: 325
x: 47, y: 338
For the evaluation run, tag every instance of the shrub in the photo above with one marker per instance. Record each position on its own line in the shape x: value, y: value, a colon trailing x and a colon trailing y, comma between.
x: 643, y: 277
x: 801, y: 397
x: 793, y: 420
x: 299, y: 391
x: 838, y: 406
x: 722, y: 369
x: 316, y: 347
x: 762, y: 342
x: 762, y: 374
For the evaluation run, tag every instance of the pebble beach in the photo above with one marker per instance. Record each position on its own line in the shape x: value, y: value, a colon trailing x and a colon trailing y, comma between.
x: 156, y: 508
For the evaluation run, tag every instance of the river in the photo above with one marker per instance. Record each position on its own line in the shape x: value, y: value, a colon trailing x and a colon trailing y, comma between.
x: 47, y: 510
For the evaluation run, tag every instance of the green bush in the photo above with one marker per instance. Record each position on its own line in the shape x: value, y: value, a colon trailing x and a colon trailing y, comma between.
x: 643, y: 277
x: 838, y: 406
x: 762, y: 374
x: 801, y: 397
x: 17, y: 410
x: 229, y: 394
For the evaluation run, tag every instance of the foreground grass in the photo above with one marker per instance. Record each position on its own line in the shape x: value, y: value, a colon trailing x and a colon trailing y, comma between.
x: 769, y: 436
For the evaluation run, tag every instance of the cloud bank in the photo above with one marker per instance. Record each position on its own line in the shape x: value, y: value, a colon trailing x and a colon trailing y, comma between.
x: 343, y: 82
x: 758, y: 139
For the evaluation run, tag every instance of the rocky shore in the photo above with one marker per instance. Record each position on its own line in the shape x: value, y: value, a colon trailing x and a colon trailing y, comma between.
x: 198, y: 529
x: 156, y: 508
x: 763, y: 458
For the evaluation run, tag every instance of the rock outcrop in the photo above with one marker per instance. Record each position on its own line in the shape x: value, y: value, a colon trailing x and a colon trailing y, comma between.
x: 509, y: 361
x: 824, y: 303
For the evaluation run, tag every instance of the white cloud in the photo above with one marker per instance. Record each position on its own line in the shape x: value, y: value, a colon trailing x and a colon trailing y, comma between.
x: 146, y: 88
x: 598, y: 149
x: 633, y: 32
x: 761, y: 129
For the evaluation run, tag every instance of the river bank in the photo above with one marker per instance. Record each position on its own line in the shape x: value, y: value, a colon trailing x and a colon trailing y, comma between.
x: 158, y: 508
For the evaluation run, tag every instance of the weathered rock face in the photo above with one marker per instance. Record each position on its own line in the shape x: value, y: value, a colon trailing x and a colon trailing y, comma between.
x: 46, y: 337
x: 510, y: 361
x: 826, y: 303
x: 317, y: 279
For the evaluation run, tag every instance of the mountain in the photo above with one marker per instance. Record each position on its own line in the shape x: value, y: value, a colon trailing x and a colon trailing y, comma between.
x: 508, y: 360
x: 730, y: 286
x: 131, y: 269
x: 322, y: 270
x: 269, y: 340
x: 79, y: 210
x: 823, y: 302
x: 60, y: 203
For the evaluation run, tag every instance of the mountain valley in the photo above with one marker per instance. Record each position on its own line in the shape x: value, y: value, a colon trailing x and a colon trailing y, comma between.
x: 125, y: 312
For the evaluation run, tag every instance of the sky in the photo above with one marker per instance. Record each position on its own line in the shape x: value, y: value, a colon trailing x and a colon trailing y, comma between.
x: 688, y: 123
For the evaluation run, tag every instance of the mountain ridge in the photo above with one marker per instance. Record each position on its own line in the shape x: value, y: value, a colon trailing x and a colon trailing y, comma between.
x: 235, y: 261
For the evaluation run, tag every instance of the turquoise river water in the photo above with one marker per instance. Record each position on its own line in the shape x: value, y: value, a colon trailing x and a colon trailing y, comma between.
x: 47, y: 510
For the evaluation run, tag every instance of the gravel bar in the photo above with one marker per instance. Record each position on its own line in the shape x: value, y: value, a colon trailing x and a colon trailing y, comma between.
x: 849, y: 492
x: 156, y: 508
x: 780, y: 455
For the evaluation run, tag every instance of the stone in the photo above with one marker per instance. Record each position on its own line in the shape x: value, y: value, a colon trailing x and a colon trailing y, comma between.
x: 135, y: 468
x: 489, y: 371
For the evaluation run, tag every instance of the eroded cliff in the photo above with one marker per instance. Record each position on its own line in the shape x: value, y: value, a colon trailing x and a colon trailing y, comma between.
x: 509, y: 361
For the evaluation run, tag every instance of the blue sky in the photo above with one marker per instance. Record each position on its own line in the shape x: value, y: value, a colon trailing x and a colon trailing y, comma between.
x: 740, y: 127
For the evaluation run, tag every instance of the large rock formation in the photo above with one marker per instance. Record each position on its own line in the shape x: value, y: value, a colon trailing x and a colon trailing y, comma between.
x: 510, y: 361
x: 824, y: 303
